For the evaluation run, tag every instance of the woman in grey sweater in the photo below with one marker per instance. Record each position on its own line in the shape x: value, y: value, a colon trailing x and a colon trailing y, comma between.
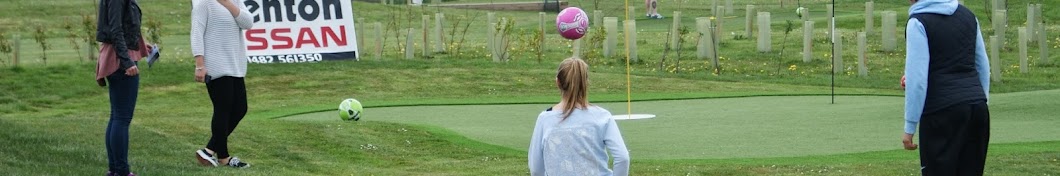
x: 221, y: 62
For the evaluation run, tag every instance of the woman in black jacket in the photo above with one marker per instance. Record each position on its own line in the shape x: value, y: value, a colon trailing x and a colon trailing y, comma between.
x: 119, y: 31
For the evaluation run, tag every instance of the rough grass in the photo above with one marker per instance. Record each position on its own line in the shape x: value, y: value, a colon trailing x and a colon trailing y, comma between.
x: 739, y: 60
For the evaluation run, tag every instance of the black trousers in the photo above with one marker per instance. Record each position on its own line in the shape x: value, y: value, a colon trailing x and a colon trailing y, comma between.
x: 229, y: 97
x: 954, y: 140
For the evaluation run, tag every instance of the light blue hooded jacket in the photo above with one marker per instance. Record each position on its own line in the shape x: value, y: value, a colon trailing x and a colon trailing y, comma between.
x: 918, y: 58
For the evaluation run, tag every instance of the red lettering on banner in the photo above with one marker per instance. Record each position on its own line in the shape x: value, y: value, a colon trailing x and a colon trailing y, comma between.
x: 283, y: 38
x: 306, y: 36
x: 340, y: 40
x: 264, y: 43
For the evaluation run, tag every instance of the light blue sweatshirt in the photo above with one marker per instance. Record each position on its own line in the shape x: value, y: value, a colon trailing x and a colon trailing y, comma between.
x: 576, y: 146
x: 917, y: 59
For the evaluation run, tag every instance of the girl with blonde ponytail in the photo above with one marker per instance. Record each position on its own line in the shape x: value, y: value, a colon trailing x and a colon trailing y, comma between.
x: 574, y: 137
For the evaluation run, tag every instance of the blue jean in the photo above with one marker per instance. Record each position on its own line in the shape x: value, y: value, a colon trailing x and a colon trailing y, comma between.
x: 123, y: 90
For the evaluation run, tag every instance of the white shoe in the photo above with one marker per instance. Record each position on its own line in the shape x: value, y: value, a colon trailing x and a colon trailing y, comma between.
x: 205, y: 158
x: 236, y: 163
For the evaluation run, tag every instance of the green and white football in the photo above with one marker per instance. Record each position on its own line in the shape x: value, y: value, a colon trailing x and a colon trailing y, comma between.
x: 350, y: 109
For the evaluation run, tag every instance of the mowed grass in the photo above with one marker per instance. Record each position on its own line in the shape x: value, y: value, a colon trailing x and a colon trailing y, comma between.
x: 745, y: 127
x: 52, y: 117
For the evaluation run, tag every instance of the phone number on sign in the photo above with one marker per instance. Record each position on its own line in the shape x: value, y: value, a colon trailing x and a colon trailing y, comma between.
x: 292, y: 58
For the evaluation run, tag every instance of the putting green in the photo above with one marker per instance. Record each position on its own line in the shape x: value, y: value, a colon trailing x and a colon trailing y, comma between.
x: 750, y: 127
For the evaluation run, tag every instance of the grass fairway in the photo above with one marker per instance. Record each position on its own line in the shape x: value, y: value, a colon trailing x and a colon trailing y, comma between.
x: 751, y: 127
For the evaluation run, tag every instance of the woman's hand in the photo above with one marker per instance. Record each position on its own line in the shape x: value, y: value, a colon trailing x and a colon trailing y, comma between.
x: 200, y: 74
x: 907, y: 142
x: 132, y: 71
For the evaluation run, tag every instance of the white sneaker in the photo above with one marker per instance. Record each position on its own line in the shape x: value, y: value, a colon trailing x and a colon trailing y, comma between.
x: 205, y: 158
x: 236, y: 163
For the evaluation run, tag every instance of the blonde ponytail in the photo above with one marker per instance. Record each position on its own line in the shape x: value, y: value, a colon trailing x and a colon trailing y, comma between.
x: 573, y: 77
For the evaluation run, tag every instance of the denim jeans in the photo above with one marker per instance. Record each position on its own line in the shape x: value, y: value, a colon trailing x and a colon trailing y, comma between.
x: 123, y: 90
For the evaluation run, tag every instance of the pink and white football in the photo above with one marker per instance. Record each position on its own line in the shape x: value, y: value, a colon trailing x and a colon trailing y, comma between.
x: 572, y: 23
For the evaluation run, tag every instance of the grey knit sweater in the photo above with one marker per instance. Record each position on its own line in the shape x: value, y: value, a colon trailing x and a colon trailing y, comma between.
x: 217, y: 36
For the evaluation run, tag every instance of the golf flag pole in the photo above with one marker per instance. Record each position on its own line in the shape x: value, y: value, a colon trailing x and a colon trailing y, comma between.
x: 629, y: 82
x: 834, y: 37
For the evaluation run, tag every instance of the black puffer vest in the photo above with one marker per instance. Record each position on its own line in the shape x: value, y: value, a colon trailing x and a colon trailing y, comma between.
x: 952, y: 75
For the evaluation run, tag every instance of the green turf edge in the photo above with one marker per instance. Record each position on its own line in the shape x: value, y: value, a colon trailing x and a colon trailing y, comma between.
x: 460, y: 140
x: 607, y: 98
x: 868, y: 157
x: 885, y: 156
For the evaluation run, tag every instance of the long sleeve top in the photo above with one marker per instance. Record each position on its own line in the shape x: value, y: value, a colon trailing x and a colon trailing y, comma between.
x: 577, y: 145
x: 218, y: 37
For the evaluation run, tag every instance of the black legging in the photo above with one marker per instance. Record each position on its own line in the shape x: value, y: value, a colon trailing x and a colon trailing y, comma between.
x: 229, y: 97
